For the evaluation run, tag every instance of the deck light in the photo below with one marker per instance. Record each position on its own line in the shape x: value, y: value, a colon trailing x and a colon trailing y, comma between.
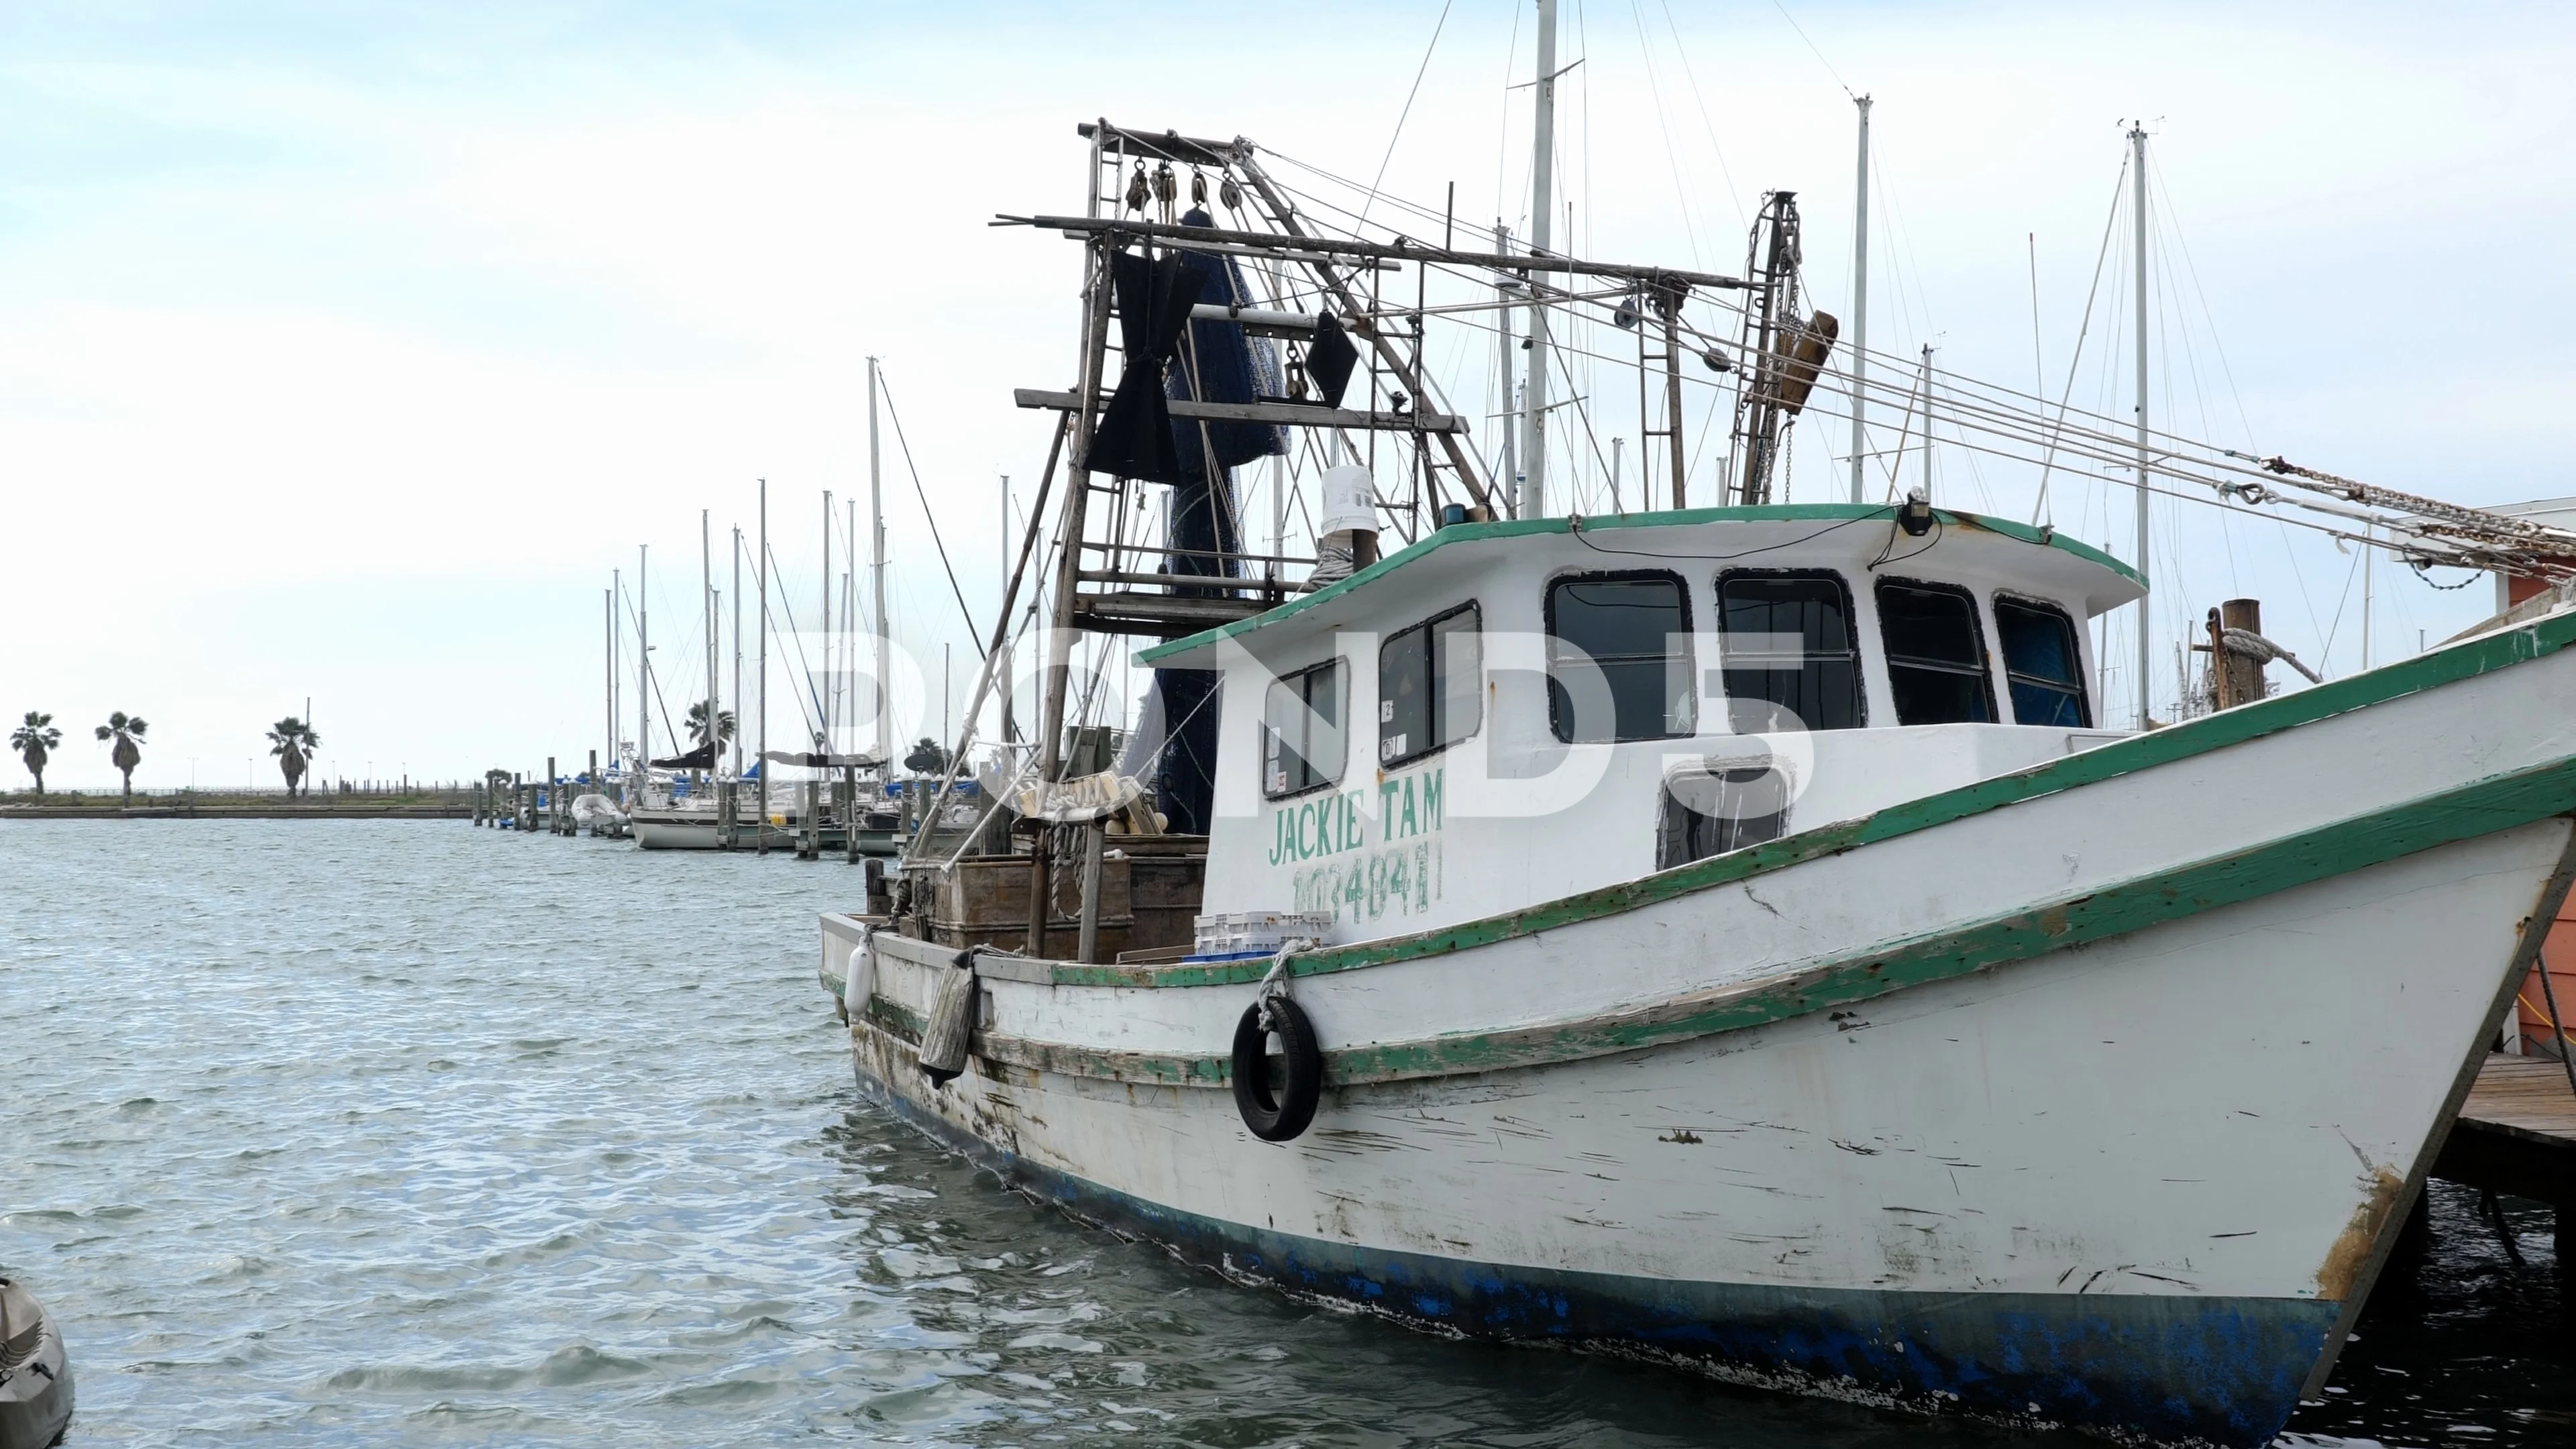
x: 1916, y: 516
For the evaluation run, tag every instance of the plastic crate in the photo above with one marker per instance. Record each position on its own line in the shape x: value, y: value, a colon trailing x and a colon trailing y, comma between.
x: 1236, y: 935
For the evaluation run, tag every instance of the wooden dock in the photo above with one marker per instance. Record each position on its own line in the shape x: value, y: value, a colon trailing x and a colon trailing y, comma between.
x: 2517, y: 1133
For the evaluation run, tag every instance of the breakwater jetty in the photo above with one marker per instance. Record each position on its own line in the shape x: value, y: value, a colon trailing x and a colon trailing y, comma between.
x: 443, y: 802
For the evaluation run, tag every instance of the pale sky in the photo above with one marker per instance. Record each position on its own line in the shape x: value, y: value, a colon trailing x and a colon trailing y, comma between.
x: 345, y: 349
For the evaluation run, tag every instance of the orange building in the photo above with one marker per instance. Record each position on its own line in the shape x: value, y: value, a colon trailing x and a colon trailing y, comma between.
x: 2531, y: 1006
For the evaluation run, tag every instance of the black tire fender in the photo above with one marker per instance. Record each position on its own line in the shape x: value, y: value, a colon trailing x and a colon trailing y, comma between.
x: 1284, y: 1115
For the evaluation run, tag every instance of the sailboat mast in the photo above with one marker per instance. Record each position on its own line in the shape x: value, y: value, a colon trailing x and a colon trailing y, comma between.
x: 737, y: 652
x: 1860, y: 305
x: 823, y: 696
x: 876, y: 581
x: 707, y: 608
x: 2138, y: 166
x: 850, y: 609
x: 608, y: 617
x: 1533, y: 459
x: 643, y: 673
x: 760, y: 630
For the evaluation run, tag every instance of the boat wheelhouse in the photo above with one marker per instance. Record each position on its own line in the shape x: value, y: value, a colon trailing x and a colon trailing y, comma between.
x: 1510, y: 712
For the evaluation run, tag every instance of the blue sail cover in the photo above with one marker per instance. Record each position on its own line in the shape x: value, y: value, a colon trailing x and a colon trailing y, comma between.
x: 1218, y: 362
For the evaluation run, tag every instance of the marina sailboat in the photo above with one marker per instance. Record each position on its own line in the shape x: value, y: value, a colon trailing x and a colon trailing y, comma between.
x: 1727, y: 935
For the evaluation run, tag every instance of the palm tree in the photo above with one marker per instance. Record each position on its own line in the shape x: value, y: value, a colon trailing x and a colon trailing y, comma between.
x: 293, y: 742
x: 34, y: 741
x: 698, y: 723
x: 128, y: 734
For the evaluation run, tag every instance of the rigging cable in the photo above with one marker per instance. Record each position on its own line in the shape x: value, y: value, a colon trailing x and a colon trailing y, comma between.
x: 1400, y: 116
x: 972, y: 634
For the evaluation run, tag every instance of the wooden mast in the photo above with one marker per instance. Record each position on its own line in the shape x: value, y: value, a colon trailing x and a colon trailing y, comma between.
x: 1077, y: 495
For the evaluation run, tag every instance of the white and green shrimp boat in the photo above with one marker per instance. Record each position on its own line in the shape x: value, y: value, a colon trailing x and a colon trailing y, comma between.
x: 1733, y: 935
x: 1951, y: 1051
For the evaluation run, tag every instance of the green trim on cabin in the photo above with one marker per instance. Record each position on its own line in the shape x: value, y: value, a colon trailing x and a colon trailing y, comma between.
x: 1532, y: 527
x: 2482, y: 808
x: 2210, y: 732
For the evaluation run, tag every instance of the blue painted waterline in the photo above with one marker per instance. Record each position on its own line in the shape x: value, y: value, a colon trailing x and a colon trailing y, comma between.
x: 2173, y: 1368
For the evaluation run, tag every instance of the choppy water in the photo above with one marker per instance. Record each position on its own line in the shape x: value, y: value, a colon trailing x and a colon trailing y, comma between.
x: 409, y: 1133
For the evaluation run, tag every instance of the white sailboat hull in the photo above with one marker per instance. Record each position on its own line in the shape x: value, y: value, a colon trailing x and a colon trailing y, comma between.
x: 674, y: 832
x: 687, y: 830
x: 2088, y: 1095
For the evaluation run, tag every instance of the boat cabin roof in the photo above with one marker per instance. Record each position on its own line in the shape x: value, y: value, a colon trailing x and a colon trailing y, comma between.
x: 1861, y: 539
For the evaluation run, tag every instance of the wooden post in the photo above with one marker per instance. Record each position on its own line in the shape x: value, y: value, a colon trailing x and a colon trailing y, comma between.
x: 1038, y: 889
x: 850, y: 813
x: 2240, y: 675
x: 1094, y: 835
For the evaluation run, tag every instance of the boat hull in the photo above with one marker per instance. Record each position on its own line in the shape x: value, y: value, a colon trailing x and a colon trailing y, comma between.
x: 36, y: 1395
x: 1996, y: 1194
x: 2013, y: 1358
x: 2092, y: 1097
x: 700, y: 832
x: 664, y: 833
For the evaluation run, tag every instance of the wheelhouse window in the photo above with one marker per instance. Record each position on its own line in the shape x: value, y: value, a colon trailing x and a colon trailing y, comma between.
x: 1787, y: 647
x: 1430, y: 685
x: 1301, y: 731
x: 1936, y: 657
x: 2043, y: 664
x: 1634, y: 629
x: 1713, y: 809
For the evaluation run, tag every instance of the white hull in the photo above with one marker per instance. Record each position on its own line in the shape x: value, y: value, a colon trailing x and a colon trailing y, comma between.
x: 2093, y: 1094
x: 675, y: 830
x: 666, y: 833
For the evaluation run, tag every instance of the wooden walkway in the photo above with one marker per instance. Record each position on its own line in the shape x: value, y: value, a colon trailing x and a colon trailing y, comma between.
x: 2517, y: 1131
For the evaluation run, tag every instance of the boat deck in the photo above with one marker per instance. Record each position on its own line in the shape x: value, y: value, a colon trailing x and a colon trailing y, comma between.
x: 2517, y: 1131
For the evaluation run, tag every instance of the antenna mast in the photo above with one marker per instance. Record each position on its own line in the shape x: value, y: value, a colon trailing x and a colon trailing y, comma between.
x: 1532, y: 502
x: 2138, y: 163
x: 1860, y: 306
